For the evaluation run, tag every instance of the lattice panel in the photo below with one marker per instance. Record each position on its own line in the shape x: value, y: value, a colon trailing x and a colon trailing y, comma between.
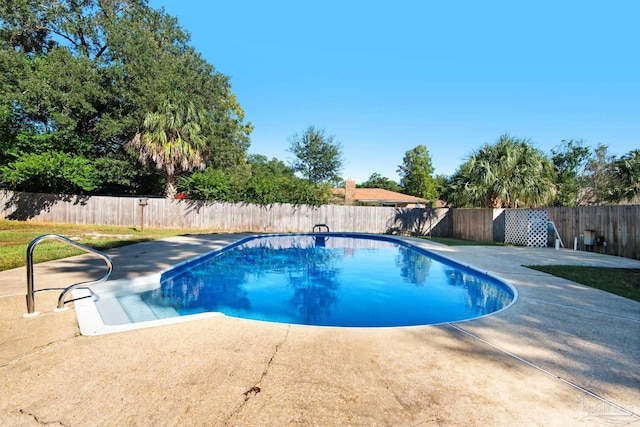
x: 538, y: 234
x: 515, y: 227
x: 526, y: 227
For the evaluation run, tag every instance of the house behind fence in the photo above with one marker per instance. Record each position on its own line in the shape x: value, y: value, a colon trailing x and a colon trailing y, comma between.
x: 613, y: 230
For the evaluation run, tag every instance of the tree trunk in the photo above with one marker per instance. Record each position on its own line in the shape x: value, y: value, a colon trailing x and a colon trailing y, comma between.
x: 172, y: 187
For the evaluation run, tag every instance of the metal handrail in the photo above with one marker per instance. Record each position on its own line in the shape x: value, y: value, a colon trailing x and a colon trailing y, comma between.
x: 320, y: 226
x: 31, y: 310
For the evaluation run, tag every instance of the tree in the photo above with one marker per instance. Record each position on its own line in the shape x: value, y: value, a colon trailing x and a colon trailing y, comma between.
x: 272, y: 181
x: 24, y: 26
x: 81, y: 77
x: 441, y: 183
x: 172, y: 139
x: 510, y: 174
x: 611, y: 179
x: 599, y: 178
x: 50, y: 172
x: 319, y: 158
x: 378, y: 181
x: 570, y: 160
x: 211, y: 185
x: 260, y: 166
x: 626, y: 171
x: 261, y: 181
x: 416, y: 174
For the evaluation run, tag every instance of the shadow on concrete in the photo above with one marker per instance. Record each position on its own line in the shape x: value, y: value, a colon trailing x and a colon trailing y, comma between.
x: 593, y: 350
x: 141, y: 258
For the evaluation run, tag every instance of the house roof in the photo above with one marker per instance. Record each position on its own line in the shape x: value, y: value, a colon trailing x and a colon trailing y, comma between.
x: 378, y: 195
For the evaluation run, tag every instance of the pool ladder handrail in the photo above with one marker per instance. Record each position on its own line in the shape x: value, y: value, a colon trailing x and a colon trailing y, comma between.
x: 319, y: 226
x: 31, y: 310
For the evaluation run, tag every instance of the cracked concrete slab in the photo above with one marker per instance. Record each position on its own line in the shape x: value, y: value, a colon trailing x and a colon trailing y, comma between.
x: 563, y: 354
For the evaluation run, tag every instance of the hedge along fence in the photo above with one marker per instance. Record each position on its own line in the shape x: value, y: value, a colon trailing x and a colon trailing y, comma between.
x: 166, y: 213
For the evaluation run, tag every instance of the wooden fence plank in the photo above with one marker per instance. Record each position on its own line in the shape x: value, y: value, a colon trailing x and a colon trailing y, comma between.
x: 617, y: 225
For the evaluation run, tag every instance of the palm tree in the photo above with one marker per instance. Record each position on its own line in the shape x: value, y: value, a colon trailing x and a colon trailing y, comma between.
x: 172, y: 138
x: 626, y: 178
x: 511, y: 173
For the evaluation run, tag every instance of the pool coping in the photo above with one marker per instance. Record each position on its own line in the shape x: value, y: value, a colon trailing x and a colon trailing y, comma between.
x: 92, y: 321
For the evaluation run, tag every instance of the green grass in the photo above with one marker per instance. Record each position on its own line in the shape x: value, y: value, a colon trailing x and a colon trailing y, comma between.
x: 15, y: 237
x: 624, y: 282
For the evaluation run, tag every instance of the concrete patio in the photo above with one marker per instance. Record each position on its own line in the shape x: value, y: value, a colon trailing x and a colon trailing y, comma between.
x: 563, y: 354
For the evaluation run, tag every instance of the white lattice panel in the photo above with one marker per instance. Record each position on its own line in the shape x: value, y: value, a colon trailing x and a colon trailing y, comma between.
x: 526, y: 227
x: 515, y: 227
x: 538, y: 233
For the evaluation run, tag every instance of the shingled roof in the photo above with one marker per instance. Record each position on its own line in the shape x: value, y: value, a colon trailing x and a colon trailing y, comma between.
x: 377, y: 196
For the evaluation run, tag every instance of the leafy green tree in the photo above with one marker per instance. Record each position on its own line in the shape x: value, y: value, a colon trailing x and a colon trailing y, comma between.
x: 611, y: 179
x: 117, y: 176
x: 416, y: 174
x: 626, y: 171
x: 272, y: 181
x: 570, y: 160
x: 260, y: 165
x: 510, y: 173
x: 319, y: 157
x: 81, y: 77
x: 8, y: 135
x: 378, y: 181
x: 441, y: 183
x: 264, y: 182
x: 172, y: 139
x: 24, y: 26
x: 284, y: 189
x: 599, y: 178
x: 154, y: 53
x: 211, y: 185
x: 68, y: 83
x: 50, y: 172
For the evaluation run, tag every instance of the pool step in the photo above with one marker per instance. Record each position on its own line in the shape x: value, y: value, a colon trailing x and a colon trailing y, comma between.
x: 139, y: 311
x: 112, y: 312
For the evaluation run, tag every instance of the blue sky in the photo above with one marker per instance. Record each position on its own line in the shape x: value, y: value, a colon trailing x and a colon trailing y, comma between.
x: 384, y: 77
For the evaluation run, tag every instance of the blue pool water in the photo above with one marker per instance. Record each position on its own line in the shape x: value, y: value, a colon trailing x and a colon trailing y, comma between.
x: 330, y: 280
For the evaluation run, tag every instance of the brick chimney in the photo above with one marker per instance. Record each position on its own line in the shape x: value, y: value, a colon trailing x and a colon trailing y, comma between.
x: 349, y: 192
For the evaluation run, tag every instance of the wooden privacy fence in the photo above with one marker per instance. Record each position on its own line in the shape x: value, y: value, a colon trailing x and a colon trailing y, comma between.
x: 165, y: 213
x: 618, y: 226
x: 473, y: 224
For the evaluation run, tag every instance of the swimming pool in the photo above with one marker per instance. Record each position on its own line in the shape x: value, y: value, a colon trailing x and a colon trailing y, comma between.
x: 324, y: 279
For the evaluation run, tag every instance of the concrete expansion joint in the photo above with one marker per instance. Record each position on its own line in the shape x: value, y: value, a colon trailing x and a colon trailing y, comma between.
x: 40, y: 350
x: 12, y: 295
x: 44, y: 423
x: 588, y: 309
x: 253, y: 391
x: 623, y: 410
